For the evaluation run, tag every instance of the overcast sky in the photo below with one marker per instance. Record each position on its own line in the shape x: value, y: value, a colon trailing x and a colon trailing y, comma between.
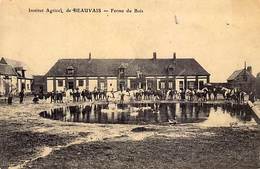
x: 219, y: 34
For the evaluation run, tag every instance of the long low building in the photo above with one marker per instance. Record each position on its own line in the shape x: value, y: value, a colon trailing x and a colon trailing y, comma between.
x: 120, y: 74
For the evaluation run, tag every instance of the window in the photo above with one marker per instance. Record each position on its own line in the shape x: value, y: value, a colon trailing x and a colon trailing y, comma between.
x: 23, y: 86
x: 171, y: 69
x: 139, y: 74
x: 102, y: 85
x: 70, y: 70
x: 170, y: 85
x: 28, y: 86
x: 140, y: 85
x: 201, y: 84
x: 181, y: 85
x: 149, y: 85
x: 60, y: 83
x: 121, y: 72
x: 191, y: 84
x: 162, y: 85
x: 81, y: 83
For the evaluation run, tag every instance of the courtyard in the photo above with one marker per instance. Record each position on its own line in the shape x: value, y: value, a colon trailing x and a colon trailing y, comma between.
x: 30, y: 141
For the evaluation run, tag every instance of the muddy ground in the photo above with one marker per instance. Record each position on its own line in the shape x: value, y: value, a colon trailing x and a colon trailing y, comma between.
x: 29, y: 141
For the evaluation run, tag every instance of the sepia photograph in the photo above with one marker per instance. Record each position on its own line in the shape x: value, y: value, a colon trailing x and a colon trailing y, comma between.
x: 129, y: 84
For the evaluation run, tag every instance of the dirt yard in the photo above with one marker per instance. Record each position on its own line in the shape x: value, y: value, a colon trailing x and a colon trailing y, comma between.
x: 29, y: 141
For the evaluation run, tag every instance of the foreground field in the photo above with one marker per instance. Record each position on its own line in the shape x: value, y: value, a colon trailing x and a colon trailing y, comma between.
x: 29, y: 141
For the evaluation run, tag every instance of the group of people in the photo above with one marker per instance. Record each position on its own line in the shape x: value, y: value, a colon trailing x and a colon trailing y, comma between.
x: 204, y: 94
x: 76, y: 95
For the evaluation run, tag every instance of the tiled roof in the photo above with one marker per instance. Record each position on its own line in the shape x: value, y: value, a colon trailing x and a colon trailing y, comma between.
x: 236, y: 73
x: 109, y: 67
x: 17, y: 65
x: 3, y: 61
x: 7, y: 70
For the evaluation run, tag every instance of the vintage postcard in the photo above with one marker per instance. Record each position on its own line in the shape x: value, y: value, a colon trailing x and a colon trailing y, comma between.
x: 129, y: 84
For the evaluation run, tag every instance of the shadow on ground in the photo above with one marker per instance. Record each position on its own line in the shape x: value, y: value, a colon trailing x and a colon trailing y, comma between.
x: 228, y: 148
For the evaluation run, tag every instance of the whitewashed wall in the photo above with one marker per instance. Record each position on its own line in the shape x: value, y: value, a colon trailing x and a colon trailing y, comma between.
x: 178, y: 84
x: 93, y: 83
x: 111, y: 84
x: 1, y: 85
x: 49, y: 85
x: 81, y: 87
x: 60, y: 88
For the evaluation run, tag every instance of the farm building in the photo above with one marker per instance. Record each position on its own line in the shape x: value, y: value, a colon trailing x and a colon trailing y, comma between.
x: 14, y: 77
x: 242, y: 79
x: 120, y: 74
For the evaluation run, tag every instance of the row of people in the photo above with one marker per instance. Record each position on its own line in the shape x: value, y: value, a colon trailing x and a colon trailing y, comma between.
x: 189, y: 94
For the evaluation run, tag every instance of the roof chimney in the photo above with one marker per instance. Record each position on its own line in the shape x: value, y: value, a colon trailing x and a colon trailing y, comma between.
x: 249, y: 69
x: 154, y: 55
x: 174, y: 56
x: 89, y: 55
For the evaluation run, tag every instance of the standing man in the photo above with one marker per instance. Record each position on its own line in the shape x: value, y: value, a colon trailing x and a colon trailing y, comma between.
x: 10, y: 97
x: 252, y: 97
x: 215, y: 93
x: 21, y: 95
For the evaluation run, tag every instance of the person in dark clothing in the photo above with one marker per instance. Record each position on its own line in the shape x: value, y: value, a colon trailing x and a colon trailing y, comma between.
x: 77, y: 95
x: 83, y: 95
x: 60, y: 96
x: 215, y: 93
x: 41, y: 93
x: 21, y: 95
x: 10, y: 97
x: 95, y: 94
x: 36, y: 99
x: 182, y: 95
x: 89, y: 95
x: 52, y: 96
x: 74, y: 95
x: 238, y: 96
x: 252, y: 97
x: 242, y: 96
x: 209, y: 94
x: 122, y: 97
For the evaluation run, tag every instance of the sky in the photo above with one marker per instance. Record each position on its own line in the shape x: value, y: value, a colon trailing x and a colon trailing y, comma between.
x: 220, y: 34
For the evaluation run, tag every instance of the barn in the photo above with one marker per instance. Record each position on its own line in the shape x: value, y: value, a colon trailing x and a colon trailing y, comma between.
x: 120, y: 74
x: 243, y: 79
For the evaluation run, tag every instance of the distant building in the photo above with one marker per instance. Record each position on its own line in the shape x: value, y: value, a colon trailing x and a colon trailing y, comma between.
x: 39, y: 84
x: 120, y: 74
x: 242, y: 79
x: 8, y: 78
x: 19, y: 78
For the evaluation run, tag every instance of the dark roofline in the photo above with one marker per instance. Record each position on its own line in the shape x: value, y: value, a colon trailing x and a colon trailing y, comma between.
x: 125, y: 58
x: 230, y: 78
x: 73, y: 60
x: 126, y: 75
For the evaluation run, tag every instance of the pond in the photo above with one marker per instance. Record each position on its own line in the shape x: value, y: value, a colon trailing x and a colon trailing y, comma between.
x: 204, y: 113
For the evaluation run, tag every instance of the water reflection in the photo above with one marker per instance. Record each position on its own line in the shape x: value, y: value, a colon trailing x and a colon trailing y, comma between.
x: 222, y: 114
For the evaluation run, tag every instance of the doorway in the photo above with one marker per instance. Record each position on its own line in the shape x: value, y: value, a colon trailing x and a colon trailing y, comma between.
x: 71, y: 85
x: 122, y: 86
